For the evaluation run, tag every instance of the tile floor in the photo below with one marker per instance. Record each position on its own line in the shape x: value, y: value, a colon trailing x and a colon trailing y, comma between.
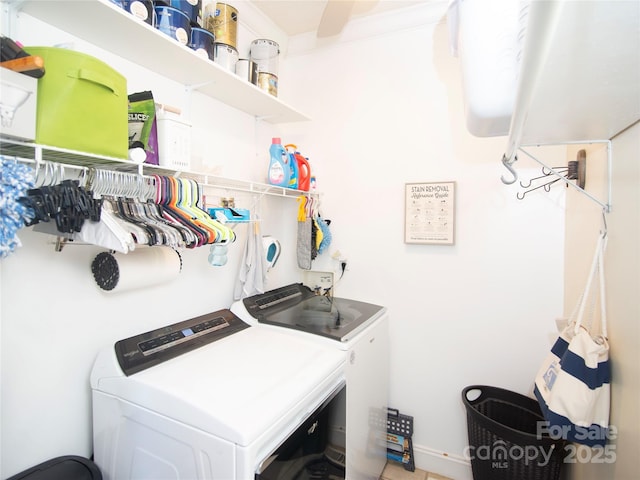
x: 395, y: 471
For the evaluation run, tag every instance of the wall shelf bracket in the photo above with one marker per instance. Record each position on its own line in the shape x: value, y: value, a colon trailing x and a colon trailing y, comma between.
x: 575, y: 170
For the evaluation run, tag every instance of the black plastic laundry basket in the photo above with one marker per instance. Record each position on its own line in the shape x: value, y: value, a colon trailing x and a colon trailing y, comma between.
x: 504, y: 443
x: 68, y: 467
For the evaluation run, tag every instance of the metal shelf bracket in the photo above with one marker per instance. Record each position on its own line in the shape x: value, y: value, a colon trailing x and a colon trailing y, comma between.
x: 579, y: 175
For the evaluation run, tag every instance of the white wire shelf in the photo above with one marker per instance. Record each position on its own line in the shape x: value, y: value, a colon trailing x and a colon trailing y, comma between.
x: 25, y: 151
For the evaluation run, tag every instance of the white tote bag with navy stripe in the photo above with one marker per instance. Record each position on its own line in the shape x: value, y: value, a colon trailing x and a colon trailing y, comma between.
x: 573, y: 384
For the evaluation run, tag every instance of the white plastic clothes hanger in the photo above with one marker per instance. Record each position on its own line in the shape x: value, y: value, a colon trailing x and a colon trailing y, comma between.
x: 110, y: 232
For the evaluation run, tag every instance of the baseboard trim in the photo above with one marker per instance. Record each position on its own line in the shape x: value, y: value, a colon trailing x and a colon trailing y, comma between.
x: 455, y: 467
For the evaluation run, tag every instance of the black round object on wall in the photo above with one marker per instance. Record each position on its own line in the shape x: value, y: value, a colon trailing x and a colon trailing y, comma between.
x: 105, y: 271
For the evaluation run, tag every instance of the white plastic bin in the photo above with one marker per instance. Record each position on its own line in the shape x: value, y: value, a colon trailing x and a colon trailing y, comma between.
x: 18, y: 101
x: 174, y: 141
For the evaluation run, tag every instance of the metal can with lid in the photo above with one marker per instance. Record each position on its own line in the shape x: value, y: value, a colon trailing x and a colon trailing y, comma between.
x: 226, y: 56
x: 247, y: 70
x: 203, y: 43
x: 265, y: 54
x: 222, y: 20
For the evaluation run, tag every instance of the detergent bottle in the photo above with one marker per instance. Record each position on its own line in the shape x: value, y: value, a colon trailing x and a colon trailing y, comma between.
x: 293, y: 178
x: 279, y: 169
x: 304, y: 172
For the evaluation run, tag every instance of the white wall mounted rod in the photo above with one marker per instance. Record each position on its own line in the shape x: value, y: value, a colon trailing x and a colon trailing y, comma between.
x: 542, y: 23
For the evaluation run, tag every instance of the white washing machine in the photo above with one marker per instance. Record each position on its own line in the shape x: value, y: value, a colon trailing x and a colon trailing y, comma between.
x: 359, y: 331
x: 213, y: 398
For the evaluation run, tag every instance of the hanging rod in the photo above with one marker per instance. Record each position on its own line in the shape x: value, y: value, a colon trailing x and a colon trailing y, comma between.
x: 605, y: 206
x: 59, y: 168
x: 543, y: 20
x: 38, y: 161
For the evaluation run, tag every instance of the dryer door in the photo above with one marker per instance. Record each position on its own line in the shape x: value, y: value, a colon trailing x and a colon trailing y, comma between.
x: 312, y: 451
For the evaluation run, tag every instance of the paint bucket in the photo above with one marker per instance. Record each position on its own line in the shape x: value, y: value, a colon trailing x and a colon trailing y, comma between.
x: 173, y: 23
x: 222, y: 20
x: 268, y: 82
x: 265, y: 54
x: 141, y: 9
x: 203, y: 41
x: 192, y: 8
x: 226, y: 56
x: 247, y: 70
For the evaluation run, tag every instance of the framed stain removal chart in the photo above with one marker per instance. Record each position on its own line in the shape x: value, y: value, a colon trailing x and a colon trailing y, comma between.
x: 429, y: 213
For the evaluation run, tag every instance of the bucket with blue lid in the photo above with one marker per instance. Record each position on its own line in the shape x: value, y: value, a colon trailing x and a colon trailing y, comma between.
x: 173, y: 23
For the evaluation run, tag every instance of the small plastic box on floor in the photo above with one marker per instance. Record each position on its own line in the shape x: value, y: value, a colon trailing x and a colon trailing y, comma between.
x: 399, y: 443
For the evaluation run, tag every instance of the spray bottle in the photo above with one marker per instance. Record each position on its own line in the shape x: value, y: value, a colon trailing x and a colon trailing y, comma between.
x: 279, y: 169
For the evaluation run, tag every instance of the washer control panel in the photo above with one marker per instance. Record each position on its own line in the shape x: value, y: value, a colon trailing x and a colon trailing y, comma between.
x: 145, y: 350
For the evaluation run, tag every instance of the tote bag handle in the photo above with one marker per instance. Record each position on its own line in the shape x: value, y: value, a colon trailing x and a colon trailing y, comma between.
x: 597, y: 266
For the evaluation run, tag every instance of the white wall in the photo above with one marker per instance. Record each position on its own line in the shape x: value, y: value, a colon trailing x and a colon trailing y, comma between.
x: 622, y: 278
x: 386, y: 110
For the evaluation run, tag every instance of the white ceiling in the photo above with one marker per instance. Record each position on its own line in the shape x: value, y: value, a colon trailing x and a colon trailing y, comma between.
x: 301, y: 16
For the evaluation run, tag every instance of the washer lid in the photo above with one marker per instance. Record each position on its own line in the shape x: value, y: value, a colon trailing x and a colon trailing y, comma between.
x: 237, y: 388
x: 296, y: 307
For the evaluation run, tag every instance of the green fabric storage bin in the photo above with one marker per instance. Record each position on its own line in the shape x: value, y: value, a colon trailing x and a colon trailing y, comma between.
x: 82, y: 104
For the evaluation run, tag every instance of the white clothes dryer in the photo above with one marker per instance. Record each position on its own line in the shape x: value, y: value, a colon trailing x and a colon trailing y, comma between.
x: 210, y: 398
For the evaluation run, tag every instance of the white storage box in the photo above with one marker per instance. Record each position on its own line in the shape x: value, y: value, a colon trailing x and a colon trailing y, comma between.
x: 174, y: 141
x: 18, y: 101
